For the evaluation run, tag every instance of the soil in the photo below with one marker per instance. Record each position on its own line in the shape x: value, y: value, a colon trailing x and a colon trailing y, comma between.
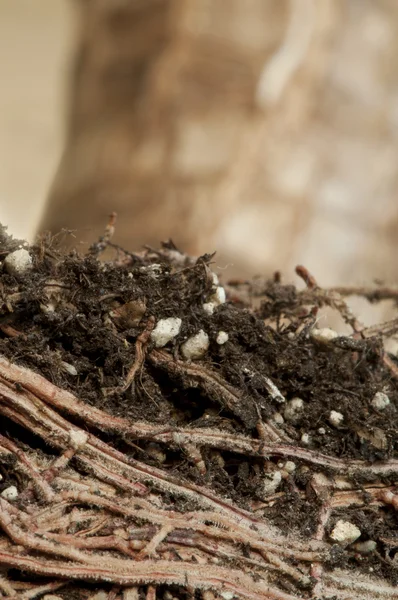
x: 76, y: 321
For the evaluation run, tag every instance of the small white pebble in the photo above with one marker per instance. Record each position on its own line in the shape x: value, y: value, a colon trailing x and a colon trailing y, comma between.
x: 278, y: 419
x: 215, y: 279
x: 209, y: 307
x: 165, y: 331
x: 290, y: 466
x: 18, y: 262
x: 380, y: 400
x: 130, y: 275
x: 270, y: 483
x: 69, y: 368
x: 323, y: 336
x: 293, y: 409
x: 78, y: 438
x: 222, y: 337
x: 336, y: 418
x: 219, y: 296
x: 322, y: 431
x: 345, y: 532
x: 305, y: 438
x: 195, y: 346
x: 227, y: 595
x: 10, y: 493
x: 291, y: 335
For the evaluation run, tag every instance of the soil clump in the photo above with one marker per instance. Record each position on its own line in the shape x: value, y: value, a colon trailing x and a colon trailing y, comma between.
x: 273, y: 423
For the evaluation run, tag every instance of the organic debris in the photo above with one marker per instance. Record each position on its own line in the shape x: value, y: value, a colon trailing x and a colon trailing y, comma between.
x: 152, y: 448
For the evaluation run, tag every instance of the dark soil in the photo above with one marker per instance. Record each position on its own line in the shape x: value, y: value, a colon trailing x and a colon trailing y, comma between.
x: 75, y: 320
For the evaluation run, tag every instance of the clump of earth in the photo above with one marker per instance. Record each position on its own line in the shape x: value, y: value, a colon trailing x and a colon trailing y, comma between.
x: 205, y: 438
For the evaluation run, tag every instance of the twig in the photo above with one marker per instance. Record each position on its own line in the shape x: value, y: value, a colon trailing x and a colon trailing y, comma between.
x: 98, y: 247
x: 306, y: 276
x: 140, y: 351
x: 375, y: 294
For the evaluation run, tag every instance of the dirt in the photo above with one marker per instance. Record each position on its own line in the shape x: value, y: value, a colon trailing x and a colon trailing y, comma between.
x: 76, y: 320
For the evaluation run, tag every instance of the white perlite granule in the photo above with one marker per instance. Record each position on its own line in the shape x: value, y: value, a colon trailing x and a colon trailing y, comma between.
x: 380, y: 401
x: 345, y: 532
x: 18, y: 262
x: 78, y: 438
x: 293, y: 409
x: 10, y: 493
x: 336, y: 418
x: 222, y: 337
x: 323, y: 336
x: 165, y: 331
x: 278, y: 419
x: 217, y: 297
x: 195, y: 346
x: 289, y: 466
x: 270, y: 483
x: 209, y: 307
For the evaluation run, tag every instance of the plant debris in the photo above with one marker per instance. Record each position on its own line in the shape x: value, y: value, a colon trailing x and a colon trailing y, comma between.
x: 165, y: 436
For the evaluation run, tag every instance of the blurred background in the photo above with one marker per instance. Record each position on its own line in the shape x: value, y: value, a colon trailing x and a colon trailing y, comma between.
x: 264, y: 129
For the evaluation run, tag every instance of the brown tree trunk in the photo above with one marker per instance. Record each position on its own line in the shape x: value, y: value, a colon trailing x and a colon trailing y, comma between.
x: 162, y: 93
x: 262, y: 128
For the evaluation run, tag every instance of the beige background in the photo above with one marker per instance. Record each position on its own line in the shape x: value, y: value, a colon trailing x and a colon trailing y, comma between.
x: 36, y: 39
